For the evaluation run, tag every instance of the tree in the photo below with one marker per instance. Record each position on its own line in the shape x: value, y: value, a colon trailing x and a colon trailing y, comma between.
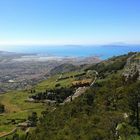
x: 2, y: 109
x: 16, y: 137
x: 33, y: 119
x: 125, y: 131
x: 134, y: 100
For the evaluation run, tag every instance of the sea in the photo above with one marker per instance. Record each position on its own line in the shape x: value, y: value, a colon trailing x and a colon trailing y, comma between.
x: 101, y: 51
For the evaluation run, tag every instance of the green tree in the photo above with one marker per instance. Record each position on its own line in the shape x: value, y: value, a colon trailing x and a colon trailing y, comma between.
x: 2, y: 109
x: 33, y: 119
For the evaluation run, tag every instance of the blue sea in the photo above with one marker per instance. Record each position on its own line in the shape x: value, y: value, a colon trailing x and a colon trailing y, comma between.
x: 104, y: 51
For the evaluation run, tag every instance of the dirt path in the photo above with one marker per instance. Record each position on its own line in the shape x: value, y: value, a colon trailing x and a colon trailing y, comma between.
x: 94, y: 79
x: 4, y: 134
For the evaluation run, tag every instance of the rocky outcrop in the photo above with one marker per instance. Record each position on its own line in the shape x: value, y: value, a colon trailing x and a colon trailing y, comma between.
x: 132, y: 68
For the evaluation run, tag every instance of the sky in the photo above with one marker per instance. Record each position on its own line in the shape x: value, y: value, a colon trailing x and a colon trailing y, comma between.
x: 56, y: 22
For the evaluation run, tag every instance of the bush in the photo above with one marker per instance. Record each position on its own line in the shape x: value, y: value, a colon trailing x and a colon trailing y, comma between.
x: 2, y: 109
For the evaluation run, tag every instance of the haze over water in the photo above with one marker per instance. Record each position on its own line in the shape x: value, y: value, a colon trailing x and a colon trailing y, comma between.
x: 103, y: 52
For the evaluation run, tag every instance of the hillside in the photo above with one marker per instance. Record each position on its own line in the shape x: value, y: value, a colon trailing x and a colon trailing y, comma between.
x: 20, y: 71
x: 56, y: 89
x: 63, y: 68
x: 107, y: 110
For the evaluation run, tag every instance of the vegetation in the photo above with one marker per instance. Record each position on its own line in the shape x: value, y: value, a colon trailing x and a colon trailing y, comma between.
x: 112, y: 65
x: 108, y: 110
x: 58, y: 94
x: 33, y: 119
x: 62, y: 79
x: 16, y: 110
x: 2, y: 109
x: 95, y: 115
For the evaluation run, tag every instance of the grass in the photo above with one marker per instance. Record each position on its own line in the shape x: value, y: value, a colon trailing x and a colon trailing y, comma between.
x: 134, y: 137
x: 137, y: 56
x: 51, y: 82
x: 17, y: 109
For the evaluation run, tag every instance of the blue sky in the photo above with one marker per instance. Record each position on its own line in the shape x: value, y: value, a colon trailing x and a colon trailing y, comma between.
x: 69, y: 21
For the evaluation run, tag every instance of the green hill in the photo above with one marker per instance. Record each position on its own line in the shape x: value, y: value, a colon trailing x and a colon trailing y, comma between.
x: 108, y: 110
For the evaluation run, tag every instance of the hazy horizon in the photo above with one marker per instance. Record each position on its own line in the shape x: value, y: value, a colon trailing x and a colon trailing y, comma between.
x: 100, y: 51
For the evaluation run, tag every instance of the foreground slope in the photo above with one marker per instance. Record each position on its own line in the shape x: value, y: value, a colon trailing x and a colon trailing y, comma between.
x: 108, y: 110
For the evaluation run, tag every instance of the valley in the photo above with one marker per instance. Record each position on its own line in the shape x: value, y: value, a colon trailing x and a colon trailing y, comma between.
x: 21, y: 71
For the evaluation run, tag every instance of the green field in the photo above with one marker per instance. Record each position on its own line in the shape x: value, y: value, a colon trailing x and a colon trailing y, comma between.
x: 17, y: 109
x: 51, y: 82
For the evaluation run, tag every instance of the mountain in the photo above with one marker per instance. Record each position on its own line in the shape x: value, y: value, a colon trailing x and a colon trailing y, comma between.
x: 63, y: 68
x: 108, y: 109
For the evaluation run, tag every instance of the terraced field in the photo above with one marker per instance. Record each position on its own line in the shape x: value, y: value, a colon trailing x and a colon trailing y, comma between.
x: 17, y: 110
x: 65, y: 80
